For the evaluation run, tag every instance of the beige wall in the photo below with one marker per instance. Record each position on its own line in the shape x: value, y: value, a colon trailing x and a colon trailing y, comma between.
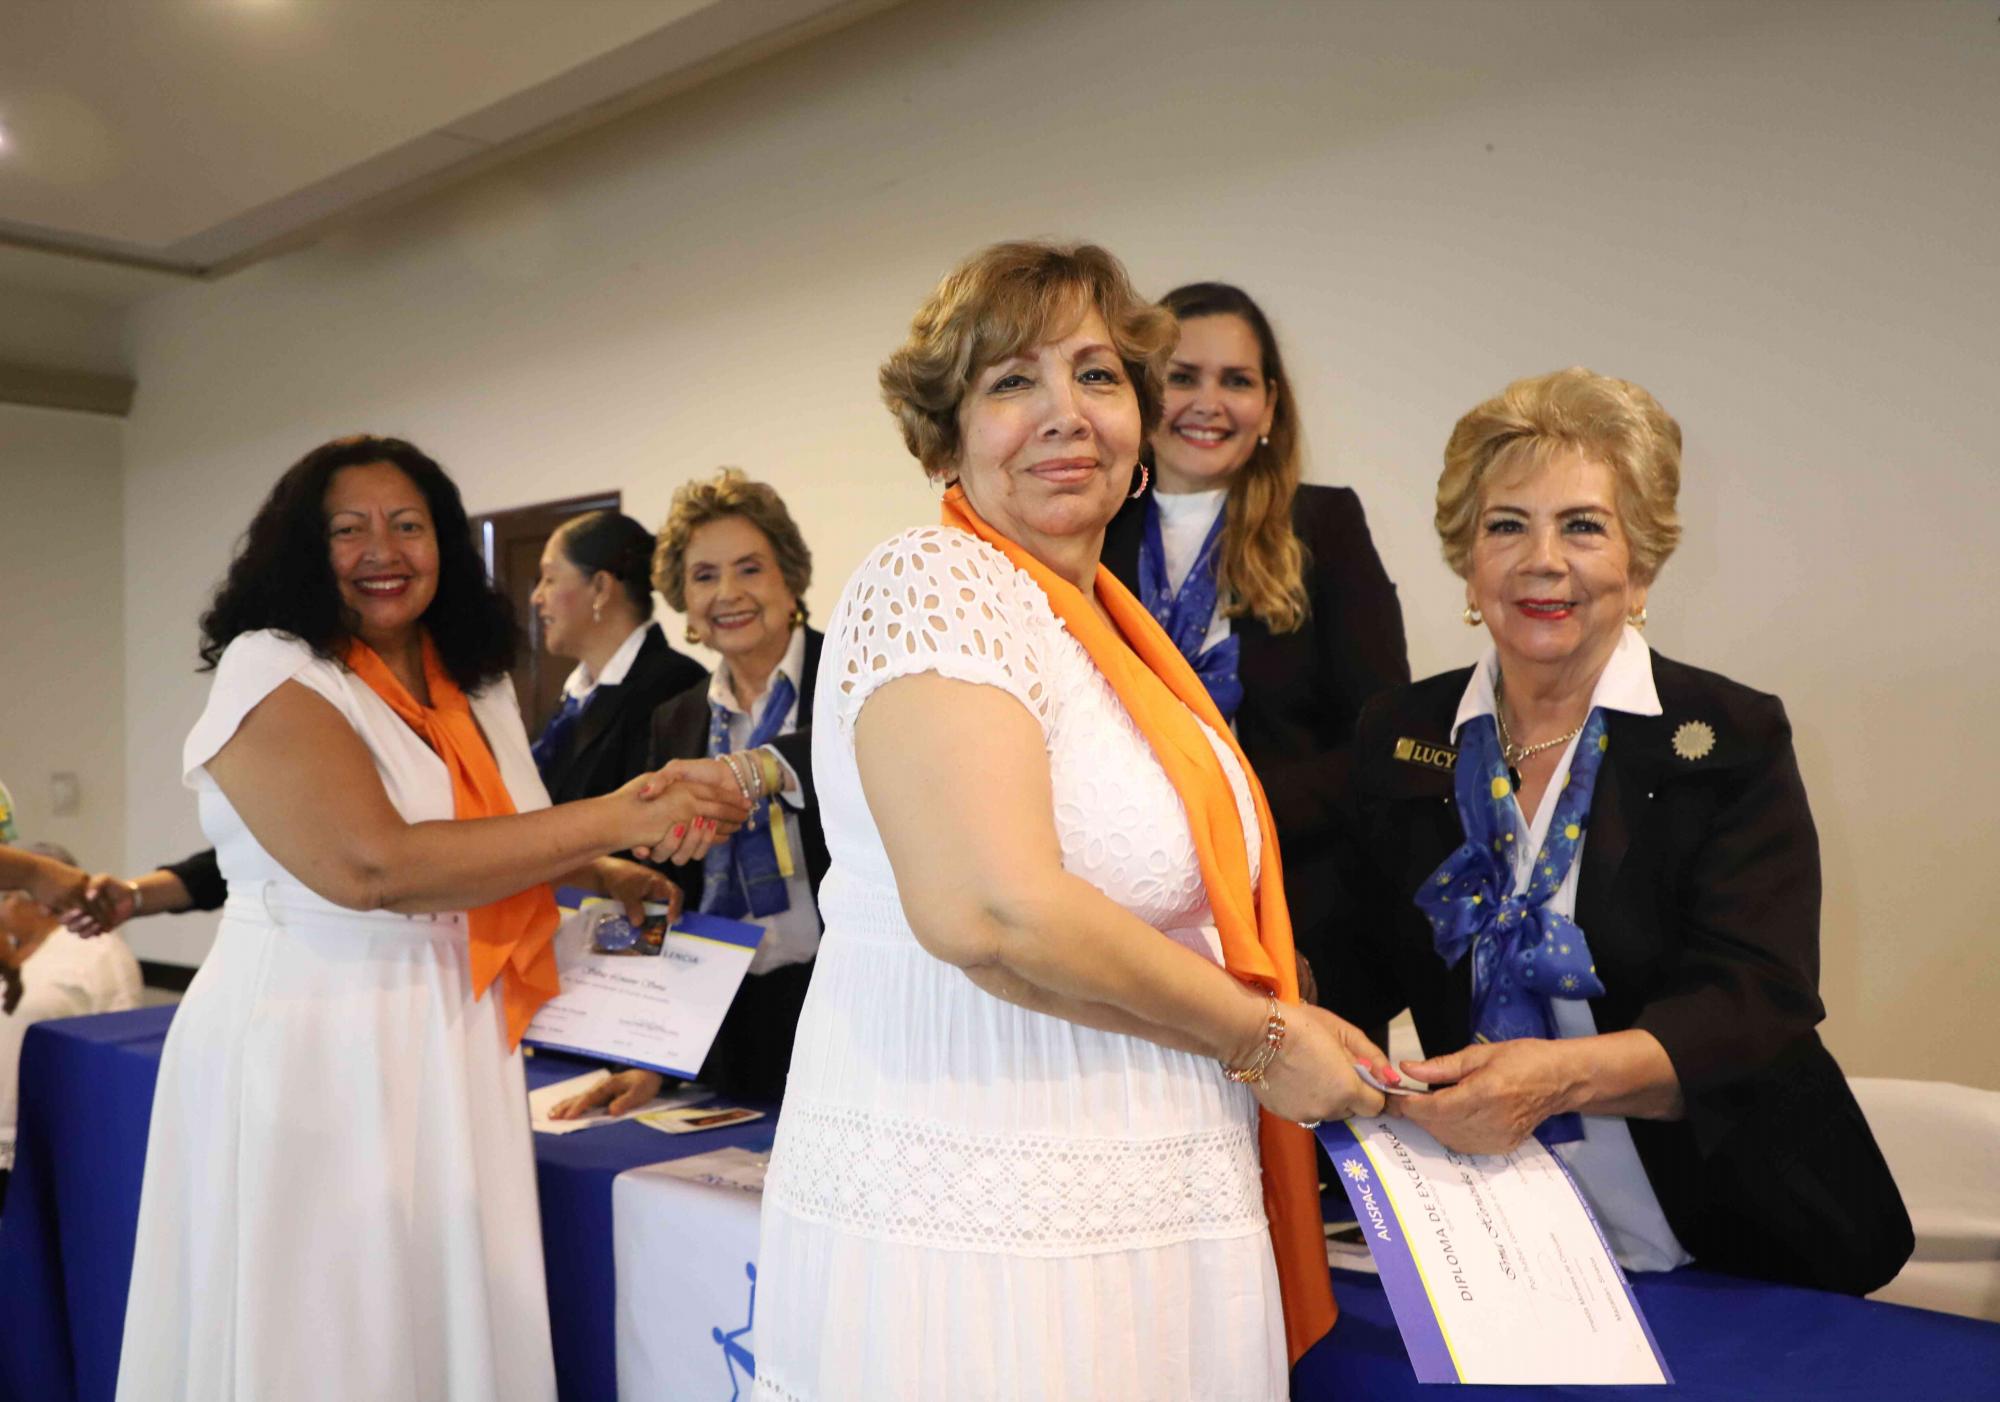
x: 62, y: 650
x: 1779, y: 217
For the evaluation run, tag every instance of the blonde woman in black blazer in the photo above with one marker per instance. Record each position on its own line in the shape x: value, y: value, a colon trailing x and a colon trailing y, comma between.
x: 1654, y: 833
x: 1306, y: 624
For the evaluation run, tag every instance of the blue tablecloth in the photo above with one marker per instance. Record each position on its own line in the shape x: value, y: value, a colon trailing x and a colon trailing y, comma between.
x: 86, y: 1094
x: 66, y: 1236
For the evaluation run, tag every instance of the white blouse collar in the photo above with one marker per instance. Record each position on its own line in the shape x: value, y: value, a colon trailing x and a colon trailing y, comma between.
x: 581, y: 683
x: 1625, y: 684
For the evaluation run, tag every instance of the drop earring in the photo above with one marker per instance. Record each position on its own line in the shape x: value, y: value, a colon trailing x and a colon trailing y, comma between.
x: 1145, y: 478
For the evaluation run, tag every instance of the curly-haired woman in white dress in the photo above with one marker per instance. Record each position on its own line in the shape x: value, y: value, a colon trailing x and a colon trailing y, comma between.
x: 339, y: 1199
x: 1022, y: 1153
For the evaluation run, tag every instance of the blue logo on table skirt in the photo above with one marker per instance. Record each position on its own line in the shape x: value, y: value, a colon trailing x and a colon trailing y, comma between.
x: 734, y: 1354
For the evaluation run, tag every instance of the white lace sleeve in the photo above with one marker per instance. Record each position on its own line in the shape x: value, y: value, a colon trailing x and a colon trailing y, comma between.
x: 937, y: 599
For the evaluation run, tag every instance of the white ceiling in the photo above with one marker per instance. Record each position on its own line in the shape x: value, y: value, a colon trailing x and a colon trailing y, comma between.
x: 142, y: 141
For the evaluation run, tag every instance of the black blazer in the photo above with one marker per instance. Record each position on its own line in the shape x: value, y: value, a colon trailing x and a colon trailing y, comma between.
x: 1303, y: 690
x: 753, y: 1048
x: 608, y: 746
x: 1700, y: 896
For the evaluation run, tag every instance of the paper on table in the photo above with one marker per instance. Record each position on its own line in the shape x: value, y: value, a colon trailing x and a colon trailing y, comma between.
x: 540, y: 1102
x: 1495, y: 1269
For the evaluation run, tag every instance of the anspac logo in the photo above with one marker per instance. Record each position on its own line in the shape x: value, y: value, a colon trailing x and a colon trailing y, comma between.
x: 734, y: 1352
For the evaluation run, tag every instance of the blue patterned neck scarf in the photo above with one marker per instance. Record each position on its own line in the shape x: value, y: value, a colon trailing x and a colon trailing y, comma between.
x: 1523, y: 952
x: 1186, y: 615
x: 741, y: 876
x: 554, y: 741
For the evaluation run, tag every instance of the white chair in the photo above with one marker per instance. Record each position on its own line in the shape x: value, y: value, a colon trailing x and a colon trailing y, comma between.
x: 1943, y: 1144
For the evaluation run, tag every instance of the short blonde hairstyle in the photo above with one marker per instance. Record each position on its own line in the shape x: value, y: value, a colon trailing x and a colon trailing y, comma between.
x: 728, y: 493
x: 999, y: 303
x: 1614, y: 422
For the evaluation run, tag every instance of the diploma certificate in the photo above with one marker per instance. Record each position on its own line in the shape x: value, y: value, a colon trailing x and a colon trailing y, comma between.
x: 647, y: 996
x: 1495, y: 1269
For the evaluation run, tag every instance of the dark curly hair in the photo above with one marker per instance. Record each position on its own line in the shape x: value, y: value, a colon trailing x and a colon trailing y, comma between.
x: 282, y: 576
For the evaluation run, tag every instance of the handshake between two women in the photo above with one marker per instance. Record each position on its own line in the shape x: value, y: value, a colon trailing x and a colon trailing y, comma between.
x: 674, y: 815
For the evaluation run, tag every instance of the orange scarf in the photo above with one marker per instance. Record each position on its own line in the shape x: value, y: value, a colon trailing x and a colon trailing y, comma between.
x: 1164, y: 698
x: 512, y: 939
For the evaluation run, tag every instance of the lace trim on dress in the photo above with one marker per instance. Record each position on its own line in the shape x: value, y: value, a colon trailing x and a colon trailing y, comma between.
x: 938, y: 600
x: 935, y: 1185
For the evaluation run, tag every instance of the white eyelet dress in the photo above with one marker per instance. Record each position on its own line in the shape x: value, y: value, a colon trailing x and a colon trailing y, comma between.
x: 339, y: 1198
x: 969, y: 1200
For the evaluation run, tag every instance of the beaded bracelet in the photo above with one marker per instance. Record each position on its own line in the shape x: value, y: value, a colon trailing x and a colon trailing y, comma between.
x: 729, y: 762
x: 1274, y: 1039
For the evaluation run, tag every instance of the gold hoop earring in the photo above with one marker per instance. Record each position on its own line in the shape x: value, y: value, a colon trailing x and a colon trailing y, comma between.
x: 1637, y: 620
x: 1145, y: 478
x: 1473, y: 617
x: 692, y: 636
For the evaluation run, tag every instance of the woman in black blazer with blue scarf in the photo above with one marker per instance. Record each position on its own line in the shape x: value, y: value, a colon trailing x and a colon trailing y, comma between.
x: 1639, y: 990
x: 731, y: 558
x: 1272, y: 588
x: 753, y: 1049
x: 594, y: 601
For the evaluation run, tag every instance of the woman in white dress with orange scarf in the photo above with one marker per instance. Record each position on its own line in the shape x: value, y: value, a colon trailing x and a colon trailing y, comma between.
x: 339, y: 1199
x: 1038, y: 1140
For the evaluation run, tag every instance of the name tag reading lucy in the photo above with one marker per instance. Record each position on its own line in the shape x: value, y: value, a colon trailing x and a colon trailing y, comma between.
x: 1495, y: 1269
x: 1425, y: 753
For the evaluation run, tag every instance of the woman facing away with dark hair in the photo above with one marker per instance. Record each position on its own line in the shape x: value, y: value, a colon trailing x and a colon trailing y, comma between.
x: 595, y: 603
x: 339, y: 1198
x: 1271, y: 588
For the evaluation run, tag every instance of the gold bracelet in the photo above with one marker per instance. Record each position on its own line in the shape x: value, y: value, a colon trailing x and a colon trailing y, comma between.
x: 774, y: 773
x: 1274, y: 1039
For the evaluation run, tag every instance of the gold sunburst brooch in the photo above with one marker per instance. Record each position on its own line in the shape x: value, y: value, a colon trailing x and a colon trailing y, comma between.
x: 1694, y: 739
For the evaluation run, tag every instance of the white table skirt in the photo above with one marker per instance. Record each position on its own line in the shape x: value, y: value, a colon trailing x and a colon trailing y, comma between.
x: 684, y: 1239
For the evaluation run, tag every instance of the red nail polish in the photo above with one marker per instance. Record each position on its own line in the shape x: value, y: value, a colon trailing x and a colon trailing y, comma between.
x: 679, y: 828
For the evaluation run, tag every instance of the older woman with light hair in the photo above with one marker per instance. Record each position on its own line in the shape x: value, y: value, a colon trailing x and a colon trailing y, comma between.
x: 734, y: 562
x: 1040, y: 1135
x: 1591, y: 874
